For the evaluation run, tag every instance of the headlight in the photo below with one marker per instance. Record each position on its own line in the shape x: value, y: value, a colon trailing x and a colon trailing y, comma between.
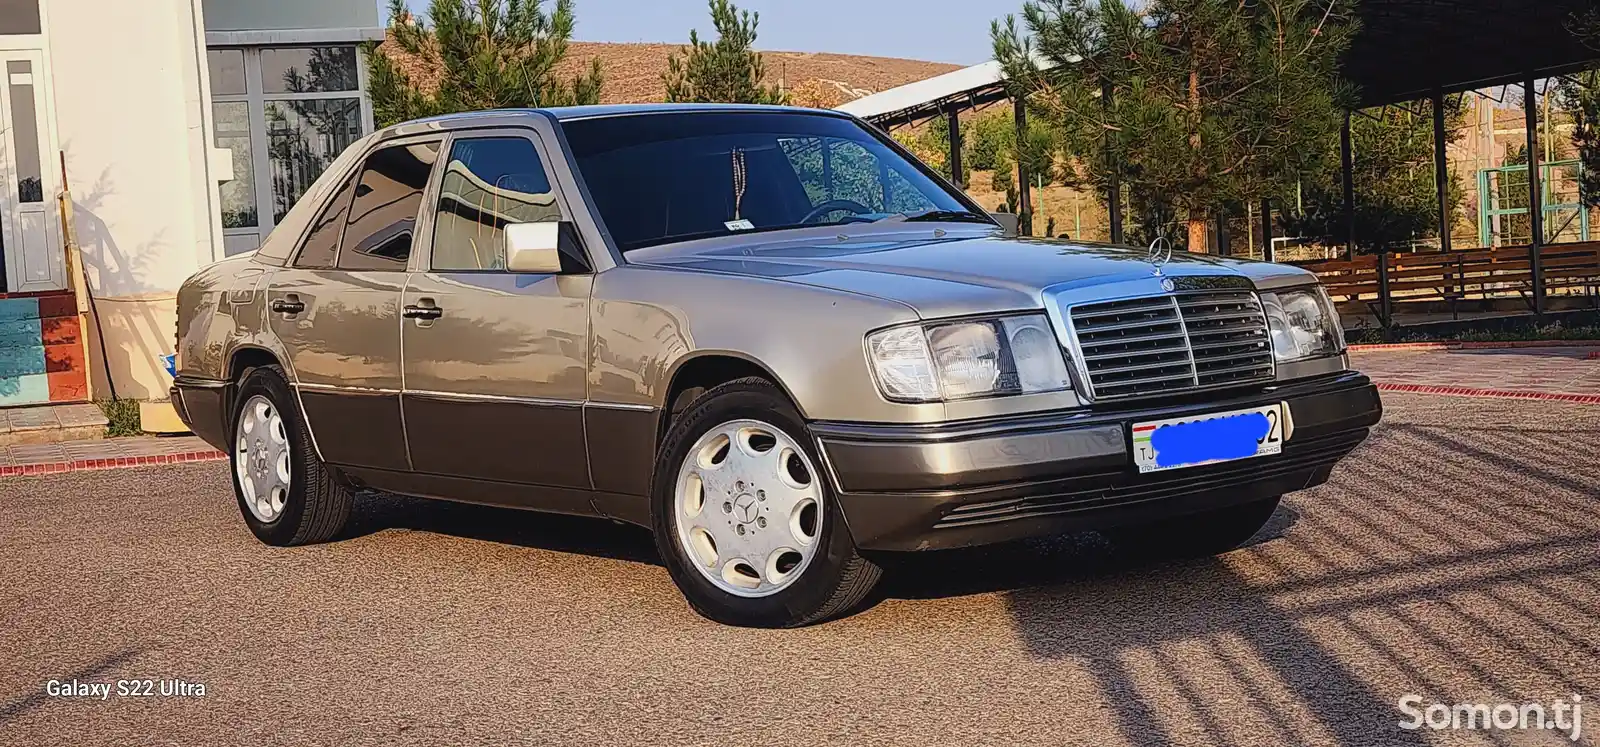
x: 958, y: 360
x: 1303, y: 324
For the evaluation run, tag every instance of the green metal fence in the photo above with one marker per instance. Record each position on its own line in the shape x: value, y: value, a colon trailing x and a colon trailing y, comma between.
x: 1503, y: 204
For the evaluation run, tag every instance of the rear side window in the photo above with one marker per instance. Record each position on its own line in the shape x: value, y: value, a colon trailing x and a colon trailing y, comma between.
x: 388, y: 198
x: 322, y: 243
x: 280, y: 244
x: 487, y: 184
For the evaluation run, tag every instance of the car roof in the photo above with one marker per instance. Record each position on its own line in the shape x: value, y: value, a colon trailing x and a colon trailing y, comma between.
x: 572, y: 113
x: 565, y: 113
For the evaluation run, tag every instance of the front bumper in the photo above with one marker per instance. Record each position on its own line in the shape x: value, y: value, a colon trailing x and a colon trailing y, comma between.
x: 923, y: 487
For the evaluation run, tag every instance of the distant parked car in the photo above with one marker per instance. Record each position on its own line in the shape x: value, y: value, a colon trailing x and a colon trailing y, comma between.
x: 769, y: 335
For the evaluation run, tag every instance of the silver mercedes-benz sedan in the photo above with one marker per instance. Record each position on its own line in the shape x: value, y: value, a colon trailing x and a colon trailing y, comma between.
x: 769, y: 335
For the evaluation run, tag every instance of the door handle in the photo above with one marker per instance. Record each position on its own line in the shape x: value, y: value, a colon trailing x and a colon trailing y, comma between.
x: 422, y: 312
x: 290, y: 304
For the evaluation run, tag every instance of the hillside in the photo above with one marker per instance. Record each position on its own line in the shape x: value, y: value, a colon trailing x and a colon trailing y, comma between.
x: 633, y: 72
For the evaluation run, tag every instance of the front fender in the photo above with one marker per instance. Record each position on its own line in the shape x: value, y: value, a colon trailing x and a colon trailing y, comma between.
x: 649, y: 322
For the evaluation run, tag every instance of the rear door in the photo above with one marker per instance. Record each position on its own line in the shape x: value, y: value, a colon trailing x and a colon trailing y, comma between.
x: 495, y: 360
x: 336, y: 308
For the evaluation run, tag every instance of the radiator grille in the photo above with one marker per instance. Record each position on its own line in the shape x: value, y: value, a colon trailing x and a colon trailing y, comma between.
x: 1164, y: 344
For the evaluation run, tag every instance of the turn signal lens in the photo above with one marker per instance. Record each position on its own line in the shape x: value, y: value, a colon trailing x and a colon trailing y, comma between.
x: 903, y: 365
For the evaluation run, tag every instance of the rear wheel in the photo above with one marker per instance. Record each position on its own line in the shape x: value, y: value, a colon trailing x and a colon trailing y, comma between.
x: 1195, y: 535
x: 744, y: 518
x: 286, y: 494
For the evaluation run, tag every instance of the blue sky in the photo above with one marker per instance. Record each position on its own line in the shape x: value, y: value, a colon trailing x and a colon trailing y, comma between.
x: 941, y: 30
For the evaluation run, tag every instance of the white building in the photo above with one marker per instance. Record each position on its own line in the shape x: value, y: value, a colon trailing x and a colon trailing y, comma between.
x: 186, y: 127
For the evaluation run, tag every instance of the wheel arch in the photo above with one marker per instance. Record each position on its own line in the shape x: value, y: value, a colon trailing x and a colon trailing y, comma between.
x: 246, y: 357
x: 704, y: 369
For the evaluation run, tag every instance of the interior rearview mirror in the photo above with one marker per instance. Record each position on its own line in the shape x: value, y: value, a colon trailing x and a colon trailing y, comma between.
x: 537, y: 247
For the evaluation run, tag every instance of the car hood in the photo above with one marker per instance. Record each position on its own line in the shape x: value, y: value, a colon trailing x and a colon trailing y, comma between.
x: 949, y: 275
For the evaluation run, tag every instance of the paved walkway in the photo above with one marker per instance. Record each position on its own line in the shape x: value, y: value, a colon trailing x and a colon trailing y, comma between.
x: 48, y: 423
x: 1553, y: 372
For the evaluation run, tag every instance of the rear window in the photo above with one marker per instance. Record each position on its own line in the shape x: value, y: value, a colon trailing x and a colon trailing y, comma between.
x: 659, y: 178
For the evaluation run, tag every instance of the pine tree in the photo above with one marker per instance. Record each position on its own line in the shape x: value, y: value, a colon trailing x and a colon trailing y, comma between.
x: 1212, y: 101
x: 727, y: 70
x: 485, y: 54
x: 1581, y: 97
x: 1396, y: 200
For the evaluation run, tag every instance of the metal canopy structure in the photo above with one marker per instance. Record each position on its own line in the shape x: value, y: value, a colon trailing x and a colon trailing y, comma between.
x: 1410, y: 49
x: 1407, y: 50
x: 968, y: 88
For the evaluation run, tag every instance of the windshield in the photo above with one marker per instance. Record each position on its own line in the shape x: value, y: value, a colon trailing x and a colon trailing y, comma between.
x: 660, y: 178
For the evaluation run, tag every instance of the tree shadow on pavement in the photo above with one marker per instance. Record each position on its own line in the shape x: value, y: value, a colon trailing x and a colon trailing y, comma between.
x: 1450, y: 558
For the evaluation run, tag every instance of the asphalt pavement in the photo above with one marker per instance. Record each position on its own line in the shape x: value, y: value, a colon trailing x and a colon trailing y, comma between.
x: 1455, y: 557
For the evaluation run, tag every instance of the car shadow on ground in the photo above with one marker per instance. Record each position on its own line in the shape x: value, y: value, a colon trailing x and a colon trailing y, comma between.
x: 1442, y: 559
x: 376, y: 512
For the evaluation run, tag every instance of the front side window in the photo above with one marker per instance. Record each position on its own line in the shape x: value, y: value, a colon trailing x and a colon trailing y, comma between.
x: 388, y: 198
x: 488, y: 183
x: 671, y: 177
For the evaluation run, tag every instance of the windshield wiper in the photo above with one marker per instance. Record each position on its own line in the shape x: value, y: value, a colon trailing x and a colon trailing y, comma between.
x: 953, y: 216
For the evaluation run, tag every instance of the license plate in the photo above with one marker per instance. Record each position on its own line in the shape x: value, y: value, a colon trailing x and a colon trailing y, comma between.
x: 1209, y: 438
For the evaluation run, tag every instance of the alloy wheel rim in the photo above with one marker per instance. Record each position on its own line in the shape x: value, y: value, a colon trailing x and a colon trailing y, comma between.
x: 749, y: 508
x: 261, y: 459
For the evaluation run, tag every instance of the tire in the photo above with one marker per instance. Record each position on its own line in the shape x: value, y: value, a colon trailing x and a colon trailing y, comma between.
x: 825, y: 575
x: 1194, y: 535
x: 315, y: 504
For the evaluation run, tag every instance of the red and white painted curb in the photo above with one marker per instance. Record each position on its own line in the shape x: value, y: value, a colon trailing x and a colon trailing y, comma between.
x: 80, y: 465
x: 1387, y: 346
x: 1462, y: 391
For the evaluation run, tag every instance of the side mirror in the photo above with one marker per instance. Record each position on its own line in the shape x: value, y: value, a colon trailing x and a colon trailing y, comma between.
x: 537, y: 247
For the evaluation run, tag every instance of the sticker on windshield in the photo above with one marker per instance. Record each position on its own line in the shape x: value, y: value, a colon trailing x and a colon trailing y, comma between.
x: 739, y: 225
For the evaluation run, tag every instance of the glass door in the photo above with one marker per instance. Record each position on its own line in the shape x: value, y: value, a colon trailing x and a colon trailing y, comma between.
x: 28, y: 174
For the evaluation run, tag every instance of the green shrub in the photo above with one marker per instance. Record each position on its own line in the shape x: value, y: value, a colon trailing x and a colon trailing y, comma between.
x: 123, y: 417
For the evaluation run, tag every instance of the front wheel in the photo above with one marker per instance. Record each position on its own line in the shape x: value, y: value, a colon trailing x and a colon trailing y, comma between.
x: 744, y: 518
x: 1195, y: 535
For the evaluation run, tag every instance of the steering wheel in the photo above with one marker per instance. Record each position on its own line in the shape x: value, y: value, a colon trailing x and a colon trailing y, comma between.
x: 835, y: 205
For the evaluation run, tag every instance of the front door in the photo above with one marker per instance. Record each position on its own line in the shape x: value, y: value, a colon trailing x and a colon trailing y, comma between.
x: 336, y: 308
x: 494, y: 360
x: 29, y: 230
